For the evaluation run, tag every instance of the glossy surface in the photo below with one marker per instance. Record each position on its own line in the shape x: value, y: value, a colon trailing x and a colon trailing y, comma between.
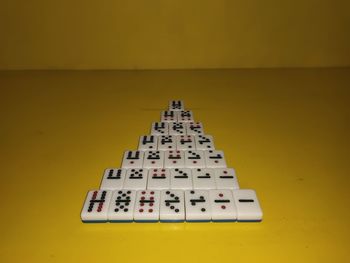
x: 286, y: 132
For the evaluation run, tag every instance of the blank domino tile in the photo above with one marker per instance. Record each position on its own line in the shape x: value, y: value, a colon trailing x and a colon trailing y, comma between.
x: 197, y: 205
x: 113, y: 179
x: 215, y: 159
x: 204, y: 142
x: 223, y: 207
x: 153, y: 159
x: 194, y: 159
x: 160, y: 128
x: 248, y: 207
x: 176, y: 105
x: 174, y: 159
x: 148, y: 142
x: 203, y: 178
x: 185, y: 142
x: 132, y: 159
x: 226, y: 178
x: 185, y: 116
x: 158, y: 178
x: 177, y: 128
x: 147, y: 206
x: 96, y: 205
x: 181, y: 178
x: 136, y: 179
x: 194, y: 128
x: 172, y: 208
x: 168, y: 116
x: 121, y: 208
x: 166, y: 142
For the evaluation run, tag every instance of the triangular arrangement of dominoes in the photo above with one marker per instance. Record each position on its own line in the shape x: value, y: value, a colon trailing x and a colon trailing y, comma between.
x: 176, y: 175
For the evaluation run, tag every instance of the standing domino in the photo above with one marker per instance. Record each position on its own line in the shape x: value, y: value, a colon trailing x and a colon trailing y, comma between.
x: 215, y: 159
x: 226, y: 178
x: 153, y: 159
x: 96, y: 205
x: 177, y: 128
x: 132, y: 159
x: 166, y: 142
x: 194, y: 159
x: 176, y: 105
x: 185, y: 116
x: 204, y: 142
x: 113, y: 179
x: 185, y: 142
x: 248, y: 207
x: 174, y: 159
x: 158, y: 179
x: 148, y: 142
x: 223, y: 207
x: 160, y: 128
x: 172, y: 208
x: 121, y: 208
x: 203, y: 178
x: 147, y: 206
x: 136, y: 179
x: 194, y: 128
x: 168, y: 116
x: 197, y: 206
x: 181, y: 178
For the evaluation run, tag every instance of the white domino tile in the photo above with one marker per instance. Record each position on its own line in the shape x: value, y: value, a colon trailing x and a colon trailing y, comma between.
x: 203, y: 178
x: 121, y: 208
x: 172, y: 206
x: 113, y: 179
x: 96, y: 205
x: 135, y: 179
x: 153, y: 159
x: 160, y: 128
x: 198, y: 208
x: 247, y: 203
x: 204, y: 142
x: 223, y: 207
x: 174, y: 159
x: 177, y: 128
x: 215, y: 159
x: 226, y: 178
x: 147, y: 206
x: 185, y: 116
x: 132, y: 159
x: 166, y: 142
x: 181, y: 178
x: 168, y: 116
x: 194, y: 128
x: 158, y: 179
x: 148, y: 142
x: 185, y: 142
x: 176, y: 105
x: 194, y: 159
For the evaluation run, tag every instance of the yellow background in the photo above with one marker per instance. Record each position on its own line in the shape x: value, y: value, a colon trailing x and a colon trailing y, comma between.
x: 157, y: 34
x: 285, y: 131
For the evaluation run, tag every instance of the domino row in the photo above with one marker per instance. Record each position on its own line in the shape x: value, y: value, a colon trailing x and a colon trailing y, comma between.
x: 171, y: 206
x: 177, y: 128
x: 174, y: 159
x: 164, y: 178
x: 176, y: 142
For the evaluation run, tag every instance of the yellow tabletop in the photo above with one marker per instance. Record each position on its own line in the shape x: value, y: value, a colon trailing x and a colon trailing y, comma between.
x: 284, y: 131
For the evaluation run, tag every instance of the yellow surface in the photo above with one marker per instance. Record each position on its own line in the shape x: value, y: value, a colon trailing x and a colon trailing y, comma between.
x: 285, y: 131
x: 158, y: 34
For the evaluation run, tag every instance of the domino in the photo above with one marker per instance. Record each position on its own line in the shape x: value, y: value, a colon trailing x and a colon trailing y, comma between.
x: 147, y: 206
x: 148, y: 142
x: 95, y: 209
x: 153, y: 159
x: 177, y: 128
x: 215, y: 159
x: 185, y: 116
x: 174, y: 159
x: 194, y: 128
x: 166, y: 142
x: 172, y: 206
x: 136, y: 179
x: 248, y: 207
x: 203, y: 178
x: 121, y: 208
x: 204, y: 142
x: 223, y: 208
x: 168, y: 116
x: 176, y: 105
x: 132, y: 159
x: 226, y: 178
x: 197, y: 206
x: 160, y: 128
x: 194, y: 159
x: 185, y: 142
x: 180, y: 178
x: 113, y: 179
x: 158, y: 179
